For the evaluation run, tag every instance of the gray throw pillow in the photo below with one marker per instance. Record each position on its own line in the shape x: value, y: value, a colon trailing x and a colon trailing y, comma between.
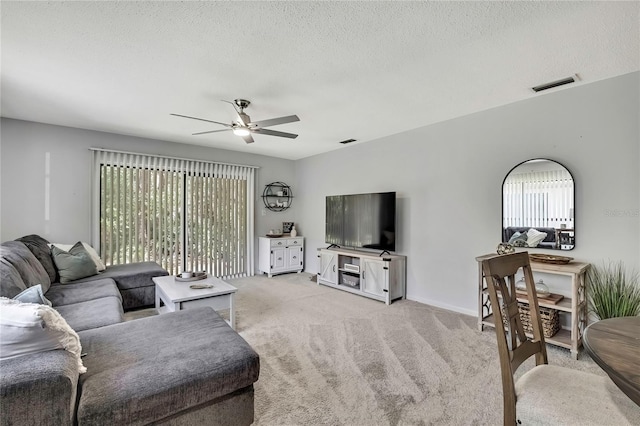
x: 74, y: 264
x: 33, y: 295
x: 40, y: 249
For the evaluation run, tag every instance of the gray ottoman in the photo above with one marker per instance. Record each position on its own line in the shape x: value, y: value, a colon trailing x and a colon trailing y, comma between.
x: 179, y: 368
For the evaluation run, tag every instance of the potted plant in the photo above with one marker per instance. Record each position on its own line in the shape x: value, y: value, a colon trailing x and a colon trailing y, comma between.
x: 613, y: 291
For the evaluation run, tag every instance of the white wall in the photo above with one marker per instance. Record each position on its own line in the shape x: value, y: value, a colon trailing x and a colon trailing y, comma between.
x: 25, y: 203
x: 448, y: 177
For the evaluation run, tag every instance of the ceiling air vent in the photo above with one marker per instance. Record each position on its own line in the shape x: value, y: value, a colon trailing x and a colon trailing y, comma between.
x: 347, y: 141
x: 556, y: 83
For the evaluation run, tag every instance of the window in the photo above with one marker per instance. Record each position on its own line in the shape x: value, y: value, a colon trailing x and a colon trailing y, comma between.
x: 182, y: 214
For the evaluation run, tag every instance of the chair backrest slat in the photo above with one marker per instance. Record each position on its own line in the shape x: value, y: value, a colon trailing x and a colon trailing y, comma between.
x: 514, y: 346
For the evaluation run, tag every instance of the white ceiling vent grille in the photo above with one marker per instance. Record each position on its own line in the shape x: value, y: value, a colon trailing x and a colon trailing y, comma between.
x: 556, y: 83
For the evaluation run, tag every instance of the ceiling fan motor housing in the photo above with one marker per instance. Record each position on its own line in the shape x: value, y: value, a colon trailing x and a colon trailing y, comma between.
x: 242, y: 103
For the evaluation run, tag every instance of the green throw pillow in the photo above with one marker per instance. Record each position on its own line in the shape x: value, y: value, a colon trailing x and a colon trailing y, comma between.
x: 74, y: 264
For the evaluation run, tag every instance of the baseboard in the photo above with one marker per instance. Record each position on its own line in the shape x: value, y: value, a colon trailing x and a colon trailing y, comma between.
x: 446, y: 306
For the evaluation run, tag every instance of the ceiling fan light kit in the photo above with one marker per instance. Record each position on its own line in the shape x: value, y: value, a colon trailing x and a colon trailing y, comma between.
x: 241, y: 131
x: 244, y: 127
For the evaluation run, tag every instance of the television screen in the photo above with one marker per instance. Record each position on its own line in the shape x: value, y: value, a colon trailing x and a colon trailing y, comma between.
x: 362, y: 220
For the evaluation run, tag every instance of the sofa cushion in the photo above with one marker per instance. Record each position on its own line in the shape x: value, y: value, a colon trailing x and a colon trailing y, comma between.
x: 144, y: 370
x: 29, y: 268
x: 73, y: 264
x: 508, y: 232
x: 33, y: 295
x: 68, y: 294
x: 27, y: 328
x: 11, y: 282
x: 92, y: 313
x: 131, y: 275
x: 40, y: 249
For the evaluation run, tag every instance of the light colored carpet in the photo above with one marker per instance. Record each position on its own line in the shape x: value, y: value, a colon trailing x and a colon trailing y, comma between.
x: 330, y: 357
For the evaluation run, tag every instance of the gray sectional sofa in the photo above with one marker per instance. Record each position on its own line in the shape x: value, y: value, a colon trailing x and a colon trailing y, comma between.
x: 186, y: 367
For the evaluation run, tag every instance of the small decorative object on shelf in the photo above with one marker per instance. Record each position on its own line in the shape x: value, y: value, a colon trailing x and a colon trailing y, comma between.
x: 294, y: 233
x: 541, y: 288
x: 277, y: 196
x: 549, y: 258
x: 191, y: 276
x: 274, y: 233
x: 505, y: 248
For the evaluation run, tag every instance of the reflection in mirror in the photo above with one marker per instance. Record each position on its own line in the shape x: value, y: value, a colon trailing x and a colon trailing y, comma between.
x: 538, y: 206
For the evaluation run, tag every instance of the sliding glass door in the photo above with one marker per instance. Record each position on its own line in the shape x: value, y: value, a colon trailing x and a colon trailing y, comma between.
x: 182, y: 214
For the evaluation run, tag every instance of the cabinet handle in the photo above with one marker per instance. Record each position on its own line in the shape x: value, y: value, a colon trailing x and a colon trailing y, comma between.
x: 363, y: 274
x: 279, y: 258
x: 294, y: 257
x: 334, y: 268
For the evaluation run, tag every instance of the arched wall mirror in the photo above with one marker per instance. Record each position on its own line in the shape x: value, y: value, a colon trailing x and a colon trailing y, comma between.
x: 538, y: 206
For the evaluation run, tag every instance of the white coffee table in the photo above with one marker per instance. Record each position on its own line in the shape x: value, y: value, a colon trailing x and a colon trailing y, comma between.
x: 177, y: 295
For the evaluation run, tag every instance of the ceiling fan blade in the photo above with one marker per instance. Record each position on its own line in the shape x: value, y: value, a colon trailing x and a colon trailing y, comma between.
x: 275, y: 121
x: 201, y: 119
x: 275, y: 133
x: 248, y: 139
x: 210, y: 131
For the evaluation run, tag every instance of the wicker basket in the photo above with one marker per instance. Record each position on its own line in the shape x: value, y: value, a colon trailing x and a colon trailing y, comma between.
x: 550, y: 319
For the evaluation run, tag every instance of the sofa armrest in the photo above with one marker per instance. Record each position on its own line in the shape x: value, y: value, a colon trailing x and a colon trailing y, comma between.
x: 39, y: 388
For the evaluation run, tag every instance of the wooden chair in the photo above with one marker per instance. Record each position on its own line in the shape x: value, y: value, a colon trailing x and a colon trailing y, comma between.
x: 544, y: 395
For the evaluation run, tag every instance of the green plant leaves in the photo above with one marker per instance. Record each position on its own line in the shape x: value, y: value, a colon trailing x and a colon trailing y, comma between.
x: 613, y: 291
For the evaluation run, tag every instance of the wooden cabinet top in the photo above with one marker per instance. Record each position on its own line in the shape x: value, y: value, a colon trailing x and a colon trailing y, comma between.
x: 572, y: 267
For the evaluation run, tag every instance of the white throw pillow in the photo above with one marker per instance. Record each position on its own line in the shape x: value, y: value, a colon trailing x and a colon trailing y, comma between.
x: 95, y: 257
x: 100, y: 266
x: 534, y: 237
x: 27, y: 328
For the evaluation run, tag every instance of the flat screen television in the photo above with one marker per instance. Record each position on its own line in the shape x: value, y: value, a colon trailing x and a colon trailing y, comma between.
x: 362, y: 221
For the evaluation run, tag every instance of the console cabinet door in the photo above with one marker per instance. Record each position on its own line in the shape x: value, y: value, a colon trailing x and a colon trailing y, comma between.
x: 375, y: 277
x: 294, y: 257
x: 278, y: 258
x: 328, y: 267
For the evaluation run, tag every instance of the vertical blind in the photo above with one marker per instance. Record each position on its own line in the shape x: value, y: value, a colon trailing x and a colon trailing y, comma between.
x: 183, y: 214
x: 538, y: 199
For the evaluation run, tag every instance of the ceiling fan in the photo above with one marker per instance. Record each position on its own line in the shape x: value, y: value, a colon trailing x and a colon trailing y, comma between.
x: 244, y: 127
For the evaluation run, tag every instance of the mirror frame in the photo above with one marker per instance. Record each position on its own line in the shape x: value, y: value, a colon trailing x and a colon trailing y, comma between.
x: 558, y: 231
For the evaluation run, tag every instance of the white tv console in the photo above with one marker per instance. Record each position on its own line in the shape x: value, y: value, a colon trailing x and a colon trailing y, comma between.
x: 376, y: 276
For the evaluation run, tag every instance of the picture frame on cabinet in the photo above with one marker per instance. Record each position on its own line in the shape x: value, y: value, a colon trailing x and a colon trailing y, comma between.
x: 286, y: 227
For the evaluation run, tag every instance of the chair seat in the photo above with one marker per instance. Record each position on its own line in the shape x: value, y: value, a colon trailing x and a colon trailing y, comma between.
x: 552, y: 395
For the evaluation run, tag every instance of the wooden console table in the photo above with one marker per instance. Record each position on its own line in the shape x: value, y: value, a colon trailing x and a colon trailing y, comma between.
x: 574, y: 306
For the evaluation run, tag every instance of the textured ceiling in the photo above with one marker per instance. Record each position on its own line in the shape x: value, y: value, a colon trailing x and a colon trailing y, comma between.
x: 361, y: 70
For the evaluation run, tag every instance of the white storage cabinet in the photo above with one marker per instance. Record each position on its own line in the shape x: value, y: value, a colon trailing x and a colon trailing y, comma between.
x: 280, y: 255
